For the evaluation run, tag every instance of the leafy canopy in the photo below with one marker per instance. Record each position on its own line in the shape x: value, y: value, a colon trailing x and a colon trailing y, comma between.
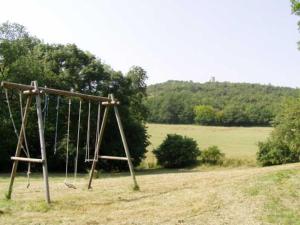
x: 220, y: 103
x: 24, y: 58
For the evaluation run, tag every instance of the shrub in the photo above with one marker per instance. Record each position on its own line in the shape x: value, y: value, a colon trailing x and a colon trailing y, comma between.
x: 273, y: 152
x: 212, y: 155
x: 177, y: 151
x: 283, y: 146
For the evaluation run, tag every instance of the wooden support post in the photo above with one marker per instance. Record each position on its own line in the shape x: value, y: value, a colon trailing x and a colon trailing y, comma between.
x: 125, y: 145
x: 19, y: 146
x: 42, y: 140
x: 96, y: 153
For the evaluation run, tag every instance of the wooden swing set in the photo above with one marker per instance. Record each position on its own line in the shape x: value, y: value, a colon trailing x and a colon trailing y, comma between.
x: 34, y: 90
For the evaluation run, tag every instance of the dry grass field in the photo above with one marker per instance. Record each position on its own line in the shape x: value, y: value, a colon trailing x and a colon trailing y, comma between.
x: 231, y: 196
x: 235, y: 142
x: 213, y: 195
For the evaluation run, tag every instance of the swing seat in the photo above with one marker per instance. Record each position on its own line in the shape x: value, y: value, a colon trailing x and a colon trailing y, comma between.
x: 70, y: 185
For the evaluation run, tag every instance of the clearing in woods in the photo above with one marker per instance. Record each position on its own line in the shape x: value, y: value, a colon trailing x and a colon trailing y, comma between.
x: 235, y: 142
x: 232, y: 196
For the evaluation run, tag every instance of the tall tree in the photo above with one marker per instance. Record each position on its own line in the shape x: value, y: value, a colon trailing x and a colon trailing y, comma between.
x: 138, y: 76
x: 25, y: 58
x: 283, y: 145
x: 296, y: 11
x: 13, y: 31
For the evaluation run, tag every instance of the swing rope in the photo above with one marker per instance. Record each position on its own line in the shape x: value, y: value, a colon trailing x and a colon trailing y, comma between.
x: 87, y: 147
x: 77, y: 146
x: 98, y: 127
x: 67, y: 148
x: 26, y: 149
x: 45, y: 109
x: 56, y: 125
x: 10, y: 114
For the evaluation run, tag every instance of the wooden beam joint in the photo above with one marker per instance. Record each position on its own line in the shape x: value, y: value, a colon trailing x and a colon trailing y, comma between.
x: 32, y: 92
x: 111, y: 103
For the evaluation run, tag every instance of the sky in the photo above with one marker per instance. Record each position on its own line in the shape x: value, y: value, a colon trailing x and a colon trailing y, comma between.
x: 233, y: 40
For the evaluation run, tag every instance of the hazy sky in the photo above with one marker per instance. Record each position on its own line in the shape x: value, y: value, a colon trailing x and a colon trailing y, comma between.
x: 233, y: 40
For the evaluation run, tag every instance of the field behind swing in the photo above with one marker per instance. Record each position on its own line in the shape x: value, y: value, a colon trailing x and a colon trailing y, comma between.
x: 224, y: 196
x: 238, y: 143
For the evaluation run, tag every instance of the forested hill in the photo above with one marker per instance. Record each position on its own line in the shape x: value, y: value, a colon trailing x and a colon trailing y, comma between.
x: 215, y: 103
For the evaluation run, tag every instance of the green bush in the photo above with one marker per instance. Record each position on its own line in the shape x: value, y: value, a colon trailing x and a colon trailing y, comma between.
x: 212, y: 155
x: 283, y: 146
x: 273, y: 152
x: 177, y: 151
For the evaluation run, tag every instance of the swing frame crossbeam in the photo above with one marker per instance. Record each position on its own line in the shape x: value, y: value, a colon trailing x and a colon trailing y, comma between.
x: 34, y: 90
x: 28, y: 89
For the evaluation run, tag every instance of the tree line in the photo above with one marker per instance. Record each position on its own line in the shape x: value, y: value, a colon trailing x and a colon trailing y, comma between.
x: 215, y: 103
x: 24, y: 58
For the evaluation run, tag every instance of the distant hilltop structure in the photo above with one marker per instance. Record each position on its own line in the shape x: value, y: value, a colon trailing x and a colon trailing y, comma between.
x: 212, y: 79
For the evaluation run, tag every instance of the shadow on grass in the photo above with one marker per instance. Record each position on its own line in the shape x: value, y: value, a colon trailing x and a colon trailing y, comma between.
x: 233, y: 163
x: 139, y: 172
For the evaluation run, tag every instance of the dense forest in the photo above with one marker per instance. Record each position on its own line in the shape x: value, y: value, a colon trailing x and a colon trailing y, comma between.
x: 215, y: 103
x: 24, y: 58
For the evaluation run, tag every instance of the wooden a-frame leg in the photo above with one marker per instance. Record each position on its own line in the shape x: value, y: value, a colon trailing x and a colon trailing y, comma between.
x: 96, y: 153
x: 125, y: 147
x: 42, y: 141
x: 19, y: 146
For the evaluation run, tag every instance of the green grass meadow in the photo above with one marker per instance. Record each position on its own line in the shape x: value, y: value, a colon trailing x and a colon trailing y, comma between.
x: 235, y: 142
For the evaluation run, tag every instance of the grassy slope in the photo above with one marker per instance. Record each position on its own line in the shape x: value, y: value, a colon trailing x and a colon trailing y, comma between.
x: 224, y: 196
x: 234, y: 196
x: 235, y: 142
